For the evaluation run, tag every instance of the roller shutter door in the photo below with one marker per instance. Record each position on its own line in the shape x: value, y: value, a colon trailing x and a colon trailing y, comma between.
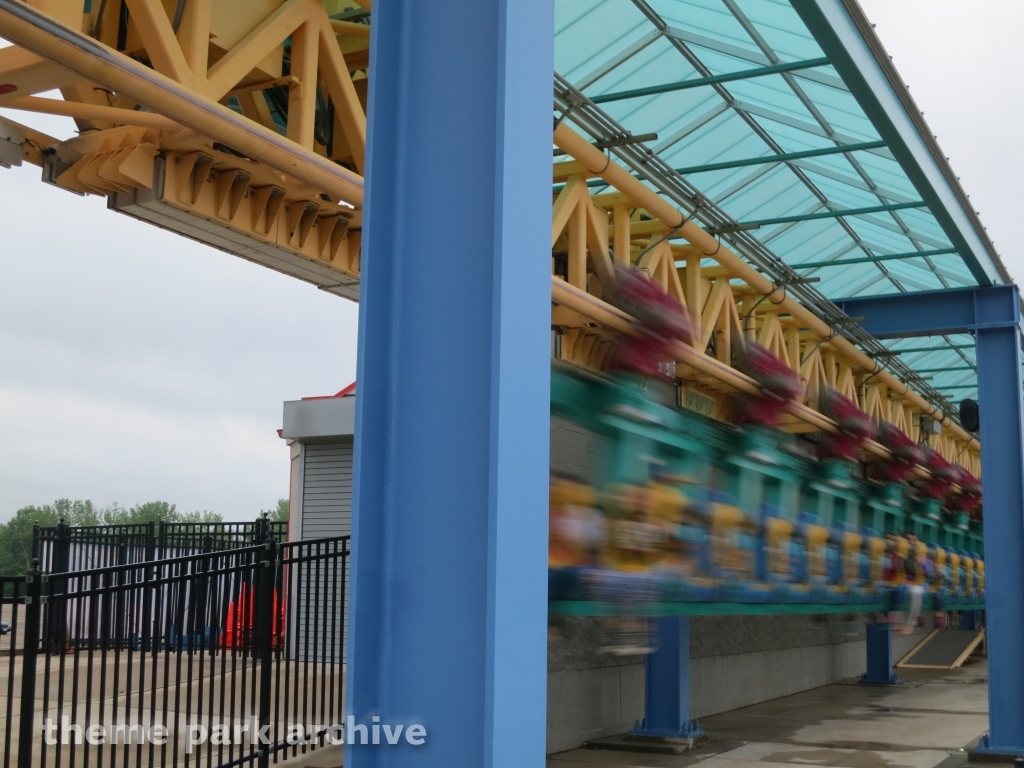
x: 327, y: 490
x: 327, y: 508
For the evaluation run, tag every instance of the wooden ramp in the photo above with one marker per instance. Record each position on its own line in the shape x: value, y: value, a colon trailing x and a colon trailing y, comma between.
x: 943, y: 649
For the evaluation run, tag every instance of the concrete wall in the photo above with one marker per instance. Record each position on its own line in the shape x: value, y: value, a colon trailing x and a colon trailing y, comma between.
x: 590, y: 694
x: 735, y: 661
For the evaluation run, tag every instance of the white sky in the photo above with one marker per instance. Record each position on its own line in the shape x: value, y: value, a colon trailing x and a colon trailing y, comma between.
x: 138, y: 365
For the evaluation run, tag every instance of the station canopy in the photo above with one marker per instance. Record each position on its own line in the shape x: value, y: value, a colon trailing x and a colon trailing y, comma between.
x: 784, y: 128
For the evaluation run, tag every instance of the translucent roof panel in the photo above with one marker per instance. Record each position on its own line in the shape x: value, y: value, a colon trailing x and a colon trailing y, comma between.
x: 790, y: 120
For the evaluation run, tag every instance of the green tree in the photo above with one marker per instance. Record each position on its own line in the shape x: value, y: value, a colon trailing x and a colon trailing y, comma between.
x: 155, y: 512
x: 206, y: 516
x: 16, y: 533
x: 279, y: 513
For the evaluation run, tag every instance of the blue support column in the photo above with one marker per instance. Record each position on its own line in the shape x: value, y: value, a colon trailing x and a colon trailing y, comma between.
x: 667, y: 677
x: 879, y: 652
x: 1002, y: 481
x: 449, y: 574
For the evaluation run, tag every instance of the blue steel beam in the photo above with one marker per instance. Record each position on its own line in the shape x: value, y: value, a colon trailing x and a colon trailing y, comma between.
x: 993, y: 316
x: 933, y: 313
x: 449, y: 574
x: 845, y: 36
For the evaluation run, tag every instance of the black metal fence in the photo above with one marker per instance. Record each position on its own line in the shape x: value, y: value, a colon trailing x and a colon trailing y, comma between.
x: 213, y: 659
x: 67, y: 548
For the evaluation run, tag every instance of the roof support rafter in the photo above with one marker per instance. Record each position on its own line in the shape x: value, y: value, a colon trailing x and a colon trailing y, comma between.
x: 783, y: 158
x: 698, y: 82
x: 833, y: 214
x: 916, y: 350
x: 869, y: 259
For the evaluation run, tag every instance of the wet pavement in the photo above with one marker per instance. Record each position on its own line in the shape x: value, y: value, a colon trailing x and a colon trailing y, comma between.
x: 929, y: 720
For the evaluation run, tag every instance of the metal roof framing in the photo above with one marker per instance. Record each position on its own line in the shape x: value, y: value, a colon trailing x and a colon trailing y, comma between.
x: 572, y: 105
x: 814, y: 162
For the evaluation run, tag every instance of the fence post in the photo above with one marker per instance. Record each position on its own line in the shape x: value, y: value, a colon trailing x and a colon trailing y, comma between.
x: 261, y: 531
x: 30, y: 650
x: 55, y: 626
x: 264, y: 645
x: 61, y: 552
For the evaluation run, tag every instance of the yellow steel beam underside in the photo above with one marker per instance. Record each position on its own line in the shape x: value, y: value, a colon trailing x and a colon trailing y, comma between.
x: 185, y: 98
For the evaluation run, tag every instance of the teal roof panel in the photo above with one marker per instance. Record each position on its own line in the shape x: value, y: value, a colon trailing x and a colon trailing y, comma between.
x: 787, y: 117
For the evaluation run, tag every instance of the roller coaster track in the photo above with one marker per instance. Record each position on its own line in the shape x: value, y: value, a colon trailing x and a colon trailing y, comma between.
x: 243, y: 126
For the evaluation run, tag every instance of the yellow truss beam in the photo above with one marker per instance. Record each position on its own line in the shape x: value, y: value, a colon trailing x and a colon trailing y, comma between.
x: 244, y: 57
x: 161, y: 43
x: 350, y: 28
x: 26, y: 27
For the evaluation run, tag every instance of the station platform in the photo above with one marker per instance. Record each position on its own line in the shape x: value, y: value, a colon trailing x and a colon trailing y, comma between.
x: 932, y: 719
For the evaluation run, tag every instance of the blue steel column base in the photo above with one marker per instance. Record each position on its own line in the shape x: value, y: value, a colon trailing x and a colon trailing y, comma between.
x: 984, y: 748
x: 878, y: 642
x: 893, y: 679
x: 690, y: 731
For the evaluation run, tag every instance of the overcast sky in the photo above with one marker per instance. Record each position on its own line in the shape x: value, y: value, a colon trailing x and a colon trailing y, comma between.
x: 138, y: 365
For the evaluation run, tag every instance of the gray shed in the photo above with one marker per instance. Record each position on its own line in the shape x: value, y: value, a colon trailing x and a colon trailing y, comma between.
x: 319, y: 433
